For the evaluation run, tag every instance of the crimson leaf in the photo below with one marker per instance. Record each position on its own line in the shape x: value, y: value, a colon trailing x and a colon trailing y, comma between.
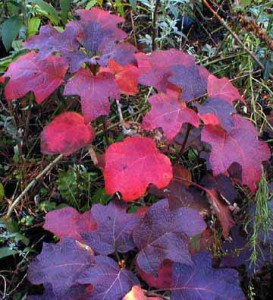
x: 60, y: 265
x: 169, y: 114
x: 164, y: 234
x: 137, y: 293
x: 240, y: 145
x: 66, y: 134
x: 28, y: 73
x: 222, y: 89
x: 131, y: 165
x: 94, y: 92
x: 67, y: 222
x: 201, y: 281
x: 115, y: 226
x: 108, y: 280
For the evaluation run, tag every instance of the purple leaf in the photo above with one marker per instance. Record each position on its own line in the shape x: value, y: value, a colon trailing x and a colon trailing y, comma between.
x: 108, y: 280
x: 190, y: 80
x: 122, y: 53
x: 115, y: 226
x: 202, y: 282
x: 60, y: 265
x: 217, y: 111
x: 164, y: 234
x: 50, y: 41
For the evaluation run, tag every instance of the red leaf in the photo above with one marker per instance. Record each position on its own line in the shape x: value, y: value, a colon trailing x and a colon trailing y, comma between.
x: 223, y: 89
x: 137, y: 293
x: 164, y: 278
x: 50, y: 41
x: 67, y: 222
x: 155, y: 69
x: 240, y: 145
x: 66, y: 134
x: 169, y: 114
x: 166, y: 235
x: 97, y: 27
x: 28, y: 73
x: 131, y: 165
x: 126, y: 77
x: 94, y: 92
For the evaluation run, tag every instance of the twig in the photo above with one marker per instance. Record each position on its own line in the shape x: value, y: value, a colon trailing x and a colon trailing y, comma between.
x: 32, y: 183
x: 154, y: 25
x: 223, y: 22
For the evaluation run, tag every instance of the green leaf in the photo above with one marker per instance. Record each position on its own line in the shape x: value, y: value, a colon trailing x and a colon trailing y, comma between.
x: 48, y: 10
x: 90, y: 4
x: 6, y: 251
x: 65, y: 7
x: 33, y: 26
x: 2, y: 192
x: 133, y: 4
x: 10, y: 30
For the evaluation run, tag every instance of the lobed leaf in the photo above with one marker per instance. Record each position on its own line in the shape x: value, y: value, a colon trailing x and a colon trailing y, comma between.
x: 67, y: 222
x: 201, y: 281
x: 239, y: 145
x: 108, y: 280
x: 60, y: 265
x: 166, y: 235
x: 28, y: 73
x: 169, y: 114
x: 114, y: 231
x: 94, y: 92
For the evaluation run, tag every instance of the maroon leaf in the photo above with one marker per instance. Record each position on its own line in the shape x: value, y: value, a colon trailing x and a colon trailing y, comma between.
x: 223, y: 89
x: 130, y: 166
x: 114, y: 232
x: 156, y: 68
x: 217, y: 112
x: 67, y: 222
x: 179, y: 194
x: 60, y: 265
x: 66, y: 134
x: 190, y: 80
x: 94, y: 92
x: 169, y: 114
x: 221, y: 210
x: 108, y: 280
x: 222, y: 184
x: 240, y: 145
x: 28, y: 73
x: 50, y: 41
x: 97, y: 27
x: 201, y: 281
x: 163, y: 234
x: 164, y: 278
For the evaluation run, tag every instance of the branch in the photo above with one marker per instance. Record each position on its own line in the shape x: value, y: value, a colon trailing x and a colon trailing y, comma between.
x: 31, y: 184
x: 223, y: 22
